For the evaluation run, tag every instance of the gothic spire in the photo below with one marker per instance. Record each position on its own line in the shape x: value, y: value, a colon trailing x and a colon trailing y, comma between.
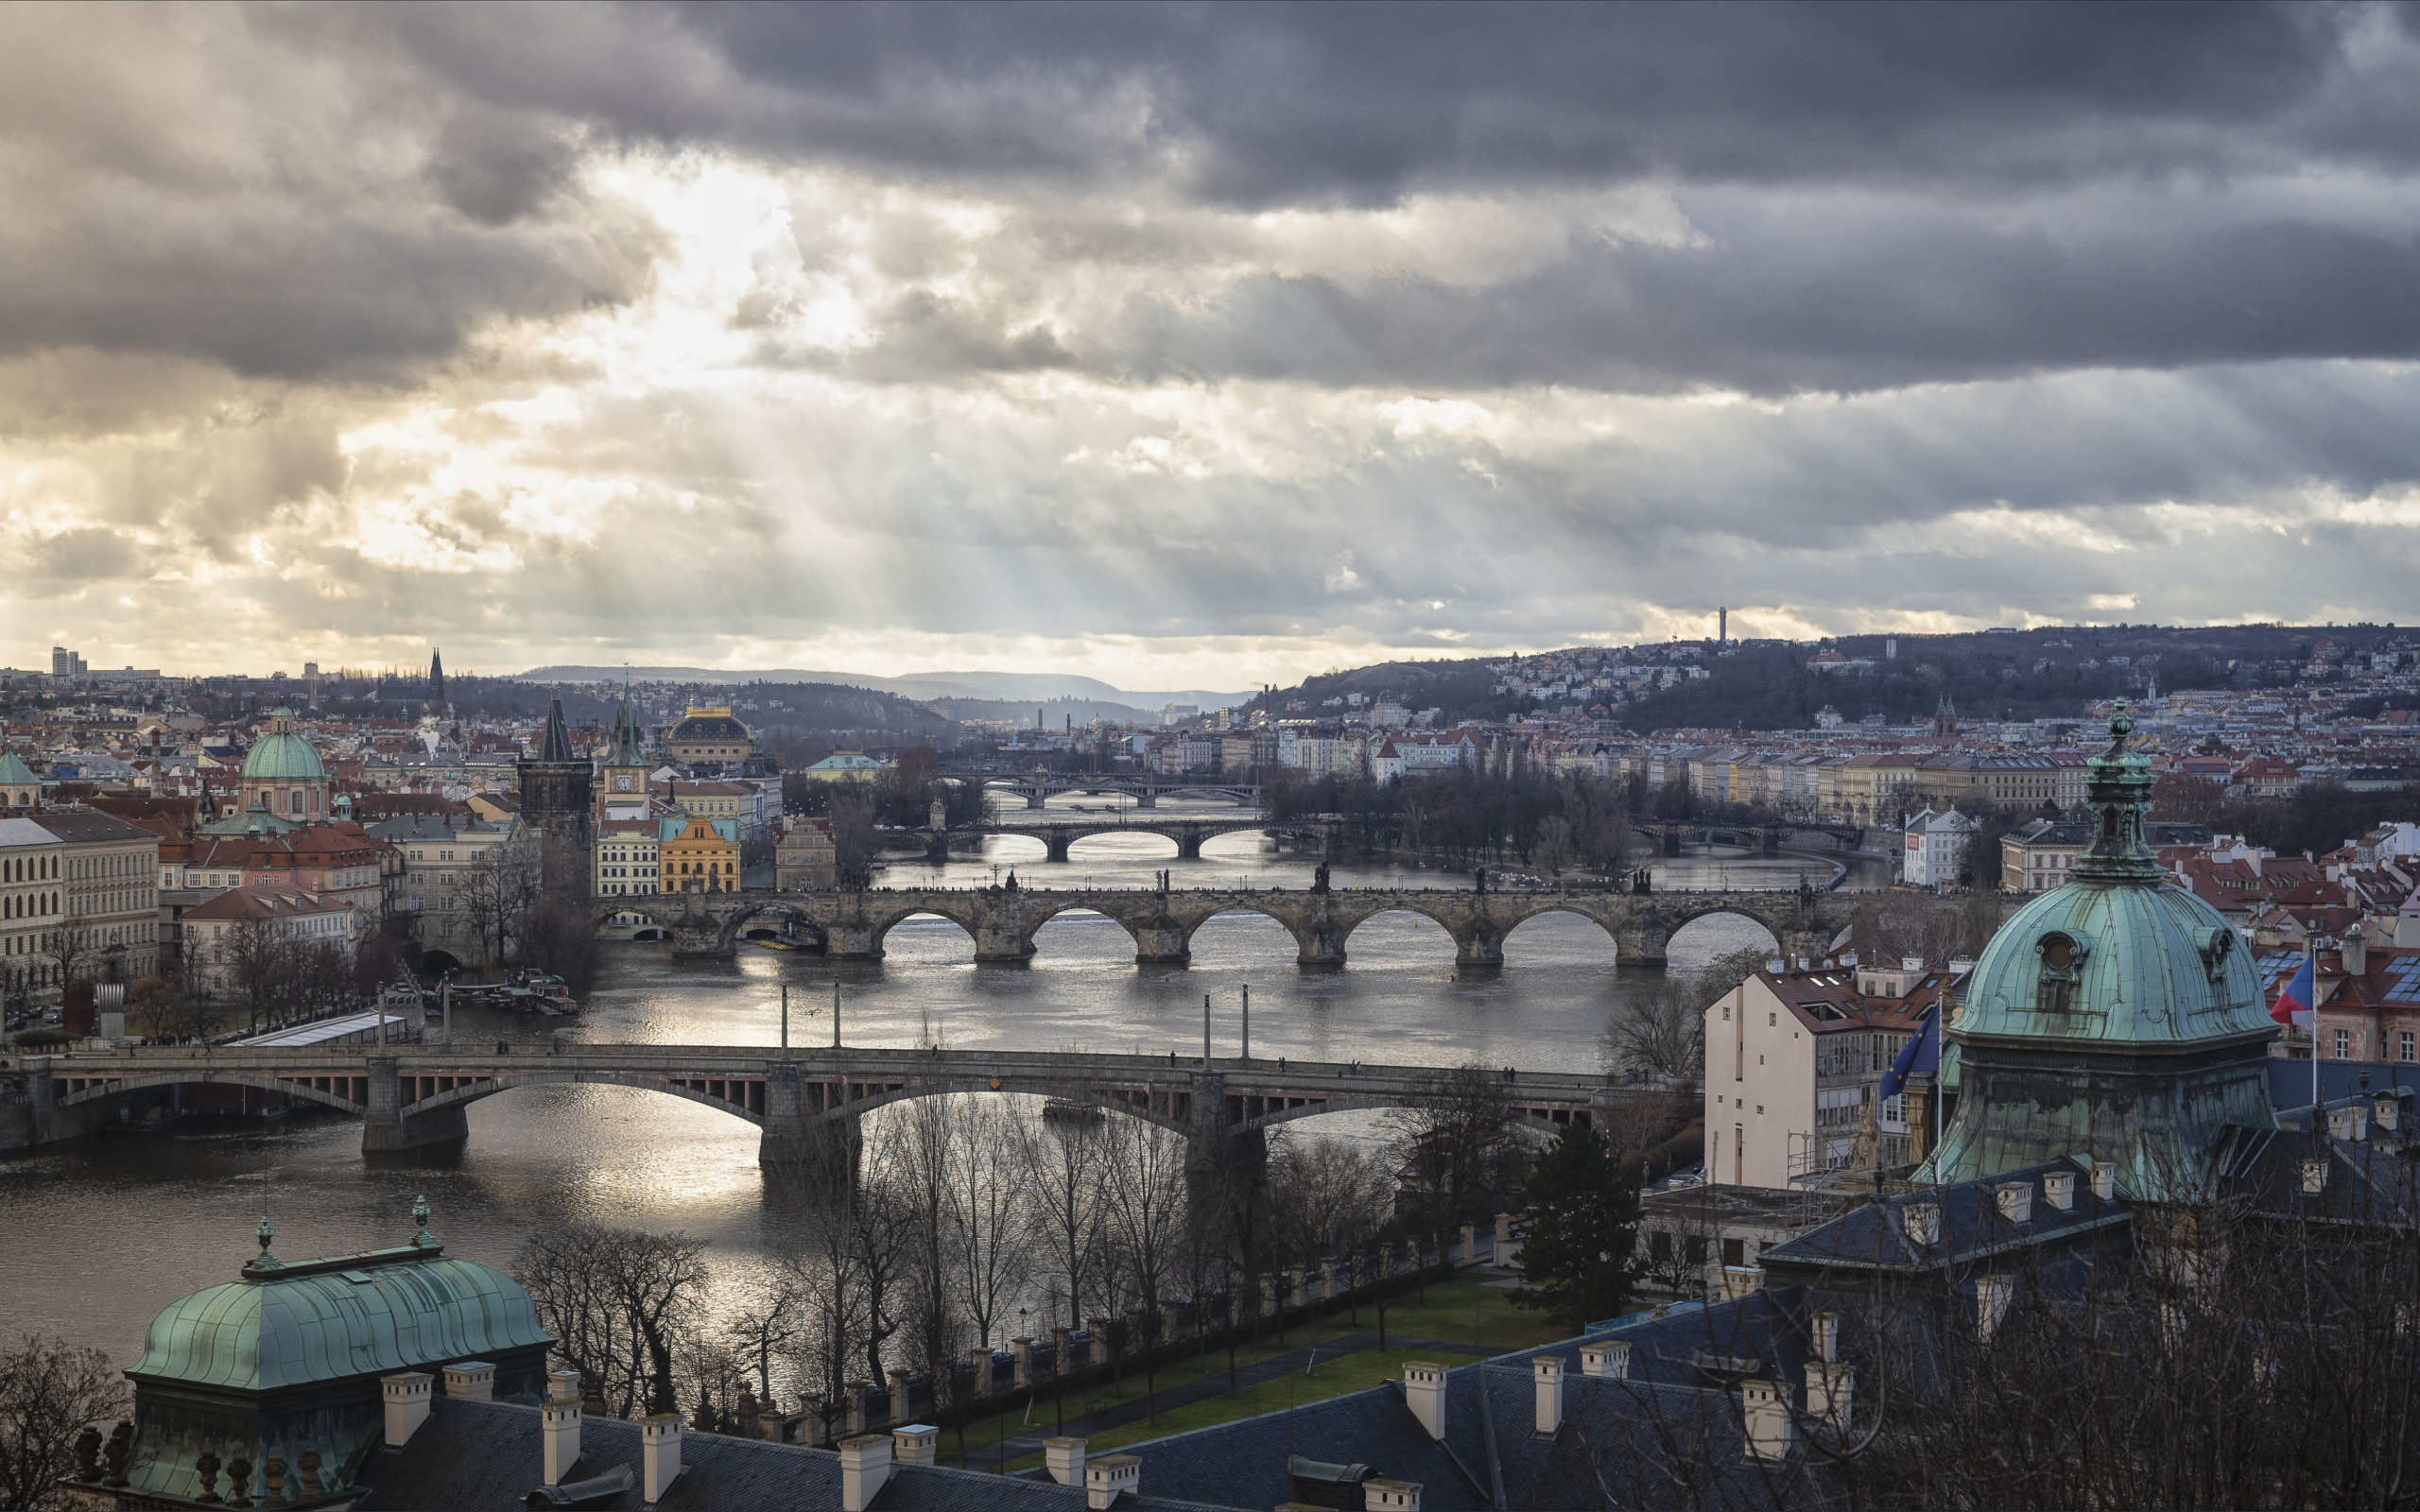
x: 556, y: 747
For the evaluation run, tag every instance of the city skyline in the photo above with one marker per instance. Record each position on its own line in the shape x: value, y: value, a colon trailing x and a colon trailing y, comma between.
x: 1194, y: 348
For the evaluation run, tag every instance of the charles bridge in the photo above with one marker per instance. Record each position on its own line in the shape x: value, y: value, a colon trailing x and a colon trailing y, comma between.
x: 1003, y: 921
x: 806, y: 1101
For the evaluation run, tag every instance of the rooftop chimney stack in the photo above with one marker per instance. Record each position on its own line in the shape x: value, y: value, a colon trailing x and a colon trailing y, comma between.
x: 1424, y: 1392
x: 1606, y: 1362
x: 915, y: 1444
x: 2059, y: 1190
x: 559, y: 1421
x: 2104, y: 1179
x: 471, y: 1381
x: 659, y: 1453
x: 1110, y: 1476
x: 2390, y: 1110
x: 2354, y: 948
x: 1547, y: 1369
x: 1391, y: 1496
x: 2314, y: 1179
x: 1923, y: 1222
x: 1772, y: 1433
x: 406, y: 1395
x: 865, y: 1468
x: 2015, y: 1200
x: 1064, y: 1459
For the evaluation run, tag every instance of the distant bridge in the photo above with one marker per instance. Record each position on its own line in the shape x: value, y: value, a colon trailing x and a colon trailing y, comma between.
x: 1003, y: 922
x: 1037, y: 789
x: 1187, y: 834
x: 1764, y: 840
x: 806, y: 1101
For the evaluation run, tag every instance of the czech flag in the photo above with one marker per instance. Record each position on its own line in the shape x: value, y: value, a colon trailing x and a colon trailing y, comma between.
x: 2293, y: 998
x: 1923, y: 1053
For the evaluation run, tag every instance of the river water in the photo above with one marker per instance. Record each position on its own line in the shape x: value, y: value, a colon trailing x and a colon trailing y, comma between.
x: 103, y: 1232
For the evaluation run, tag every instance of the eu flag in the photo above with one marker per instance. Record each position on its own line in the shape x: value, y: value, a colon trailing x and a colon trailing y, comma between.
x: 1923, y: 1053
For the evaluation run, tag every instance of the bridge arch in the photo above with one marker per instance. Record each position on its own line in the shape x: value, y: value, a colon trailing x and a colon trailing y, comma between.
x: 1164, y: 846
x: 1173, y: 1119
x: 881, y: 932
x: 1611, y: 935
x: 1696, y: 921
x: 468, y: 1090
x: 115, y: 1088
x: 736, y: 925
x: 1242, y: 907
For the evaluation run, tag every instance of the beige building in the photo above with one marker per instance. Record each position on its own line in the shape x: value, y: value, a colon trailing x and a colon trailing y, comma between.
x: 463, y: 880
x: 2037, y: 858
x: 625, y: 859
x: 710, y: 735
x: 1793, y: 1059
x: 110, y: 871
x: 32, y: 895
x: 805, y: 857
x: 218, y: 933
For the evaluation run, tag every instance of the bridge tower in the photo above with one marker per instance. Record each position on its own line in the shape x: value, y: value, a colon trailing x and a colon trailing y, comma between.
x: 556, y: 785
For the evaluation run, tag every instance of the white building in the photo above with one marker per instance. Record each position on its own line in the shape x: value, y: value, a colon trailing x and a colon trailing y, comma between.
x: 1935, y: 848
x: 218, y: 933
x: 1793, y: 1058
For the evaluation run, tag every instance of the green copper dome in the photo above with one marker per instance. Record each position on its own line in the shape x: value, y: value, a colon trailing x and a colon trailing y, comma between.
x: 358, y: 1315
x: 283, y: 756
x: 2117, y: 1017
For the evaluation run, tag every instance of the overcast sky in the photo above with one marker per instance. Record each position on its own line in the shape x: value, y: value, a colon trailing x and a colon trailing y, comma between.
x: 1193, y: 346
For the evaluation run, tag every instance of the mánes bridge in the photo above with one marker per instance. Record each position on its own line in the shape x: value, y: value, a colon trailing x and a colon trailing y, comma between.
x: 806, y: 1103
x: 1003, y: 922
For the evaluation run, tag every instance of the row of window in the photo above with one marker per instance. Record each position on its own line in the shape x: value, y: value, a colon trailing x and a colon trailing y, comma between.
x: 2403, y: 1044
x: 29, y: 869
x: 28, y: 905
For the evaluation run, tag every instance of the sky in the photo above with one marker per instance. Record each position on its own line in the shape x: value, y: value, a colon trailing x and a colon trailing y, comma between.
x: 1192, y: 346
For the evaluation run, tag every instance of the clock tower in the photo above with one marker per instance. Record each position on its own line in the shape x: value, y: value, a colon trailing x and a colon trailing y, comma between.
x: 622, y: 784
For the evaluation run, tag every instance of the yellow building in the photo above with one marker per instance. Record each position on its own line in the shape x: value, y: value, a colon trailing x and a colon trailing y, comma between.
x: 710, y: 735
x: 698, y: 855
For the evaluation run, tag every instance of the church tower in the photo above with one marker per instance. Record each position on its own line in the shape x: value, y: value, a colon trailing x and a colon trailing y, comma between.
x: 436, y: 677
x: 623, y: 782
x: 555, y: 791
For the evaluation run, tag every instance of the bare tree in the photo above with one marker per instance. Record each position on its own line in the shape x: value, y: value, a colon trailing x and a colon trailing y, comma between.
x: 1062, y: 1161
x: 620, y: 1302
x: 988, y: 1204
x: 1143, y: 1191
x: 1457, y: 1142
x: 50, y: 1392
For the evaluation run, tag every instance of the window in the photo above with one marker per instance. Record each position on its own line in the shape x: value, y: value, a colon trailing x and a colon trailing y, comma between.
x: 2403, y: 1045
x: 2062, y: 957
x: 2343, y: 1044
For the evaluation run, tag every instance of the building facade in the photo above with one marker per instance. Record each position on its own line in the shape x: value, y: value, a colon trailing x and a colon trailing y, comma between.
x: 33, y: 902
x: 110, y: 873
x: 697, y: 854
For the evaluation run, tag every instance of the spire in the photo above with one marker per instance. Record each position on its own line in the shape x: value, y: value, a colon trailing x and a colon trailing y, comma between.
x: 2120, y: 793
x: 435, y: 676
x: 556, y: 746
x: 625, y: 751
x: 265, y: 1261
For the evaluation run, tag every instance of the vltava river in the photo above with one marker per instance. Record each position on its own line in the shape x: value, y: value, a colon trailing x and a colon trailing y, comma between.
x: 105, y: 1232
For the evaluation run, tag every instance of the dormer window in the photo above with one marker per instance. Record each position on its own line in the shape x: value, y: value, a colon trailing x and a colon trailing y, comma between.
x: 2062, y: 965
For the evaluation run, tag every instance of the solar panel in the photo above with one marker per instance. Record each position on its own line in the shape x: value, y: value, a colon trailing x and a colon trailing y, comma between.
x: 2403, y: 979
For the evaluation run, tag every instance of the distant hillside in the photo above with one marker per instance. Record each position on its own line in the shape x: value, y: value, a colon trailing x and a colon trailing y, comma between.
x: 1459, y: 688
x: 1009, y: 687
x: 777, y: 712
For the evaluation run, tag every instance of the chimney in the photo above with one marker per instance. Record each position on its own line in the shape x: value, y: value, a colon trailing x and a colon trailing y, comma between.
x: 1771, y: 1432
x: 1391, y: 1496
x: 1824, y: 1335
x: 1109, y: 1475
x: 2351, y: 1124
x: 2059, y: 1190
x: 1992, y: 1296
x: 915, y: 1444
x: 1064, y: 1457
x: 2354, y: 950
x: 1923, y: 1222
x: 562, y: 1386
x: 406, y: 1397
x: 2015, y: 1200
x: 1424, y: 1392
x: 865, y: 1466
x: 558, y: 1421
x: 1547, y: 1371
x: 659, y: 1453
x: 2390, y: 1110
x: 2314, y: 1182
x: 2104, y: 1179
x: 1606, y: 1362
x: 471, y: 1381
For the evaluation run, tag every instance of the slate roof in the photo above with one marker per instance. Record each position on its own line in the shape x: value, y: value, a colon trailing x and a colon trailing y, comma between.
x: 1246, y: 1463
x: 1873, y: 1237
x: 471, y: 1456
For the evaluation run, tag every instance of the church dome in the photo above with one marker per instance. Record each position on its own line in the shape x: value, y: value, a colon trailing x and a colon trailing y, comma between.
x: 283, y: 756
x: 2117, y: 1017
x: 710, y: 724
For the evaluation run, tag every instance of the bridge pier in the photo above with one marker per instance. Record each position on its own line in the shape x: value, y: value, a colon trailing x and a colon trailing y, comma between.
x: 1161, y: 942
x: 388, y: 1130
x: 852, y: 942
x: 1319, y: 942
x: 1216, y: 1154
x: 1188, y: 844
x: 1057, y: 846
x: 1479, y: 949
x: 1002, y: 942
x: 1147, y: 798
x: 800, y: 1144
x: 1640, y: 945
x: 1036, y: 800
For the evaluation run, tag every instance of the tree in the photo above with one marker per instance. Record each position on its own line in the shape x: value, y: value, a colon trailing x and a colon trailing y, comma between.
x: 1465, y: 1159
x: 1062, y: 1161
x: 620, y: 1302
x: 1584, y: 1219
x: 50, y: 1392
x: 854, y: 841
x: 1144, y: 1190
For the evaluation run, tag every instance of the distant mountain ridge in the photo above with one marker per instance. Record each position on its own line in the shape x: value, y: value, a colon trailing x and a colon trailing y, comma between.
x: 1013, y: 687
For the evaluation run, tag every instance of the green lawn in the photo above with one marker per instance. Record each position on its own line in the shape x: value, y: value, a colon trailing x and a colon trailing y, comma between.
x: 1460, y: 1310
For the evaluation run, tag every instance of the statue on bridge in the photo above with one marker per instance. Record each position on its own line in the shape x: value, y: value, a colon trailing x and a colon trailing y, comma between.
x: 1641, y: 884
x: 1318, y: 879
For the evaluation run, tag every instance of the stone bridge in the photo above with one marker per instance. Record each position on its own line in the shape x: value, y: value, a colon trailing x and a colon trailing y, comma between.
x: 1003, y: 922
x: 1038, y: 789
x: 1765, y: 839
x: 1187, y: 834
x: 806, y: 1101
